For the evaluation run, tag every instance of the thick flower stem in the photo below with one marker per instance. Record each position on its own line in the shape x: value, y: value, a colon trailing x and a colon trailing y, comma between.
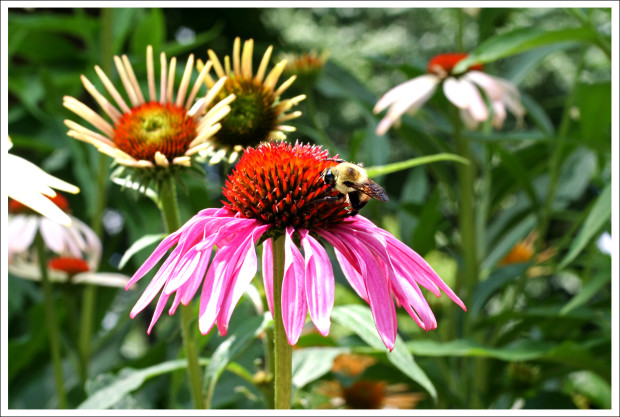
x: 467, y: 226
x: 469, y: 275
x: 170, y: 212
x: 283, y: 352
x: 51, y: 323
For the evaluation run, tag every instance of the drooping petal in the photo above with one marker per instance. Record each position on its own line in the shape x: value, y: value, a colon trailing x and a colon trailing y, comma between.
x: 245, y: 272
x: 350, y: 263
x: 463, y: 94
x: 218, y: 279
x: 379, y: 296
x: 417, y: 87
x: 425, y: 87
x: 161, y: 304
x: 21, y: 230
x: 319, y: 284
x: 268, y: 272
x: 294, y: 307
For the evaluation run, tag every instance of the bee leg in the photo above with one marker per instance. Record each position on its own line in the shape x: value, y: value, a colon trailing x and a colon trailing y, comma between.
x: 356, y: 202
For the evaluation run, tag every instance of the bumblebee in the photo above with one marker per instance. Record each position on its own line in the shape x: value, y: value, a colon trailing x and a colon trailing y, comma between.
x: 351, y: 180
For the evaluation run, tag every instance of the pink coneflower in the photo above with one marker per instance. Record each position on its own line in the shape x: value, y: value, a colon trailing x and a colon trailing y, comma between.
x: 460, y: 88
x: 276, y: 189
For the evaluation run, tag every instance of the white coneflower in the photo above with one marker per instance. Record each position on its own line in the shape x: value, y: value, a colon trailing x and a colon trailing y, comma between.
x: 160, y: 132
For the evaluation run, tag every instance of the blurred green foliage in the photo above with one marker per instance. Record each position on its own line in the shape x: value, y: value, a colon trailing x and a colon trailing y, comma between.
x: 530, y: 340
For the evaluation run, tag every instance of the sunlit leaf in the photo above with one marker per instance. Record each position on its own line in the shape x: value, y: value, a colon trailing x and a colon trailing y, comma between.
x: 359, y: 320
x: 410, y: 163
x: 588, y: 291
x: 129, y: 380
x: 235, y: 343
x: 138, y: 245
x: 599, y: 214
x: 521, y: 40
x: 312, y: 363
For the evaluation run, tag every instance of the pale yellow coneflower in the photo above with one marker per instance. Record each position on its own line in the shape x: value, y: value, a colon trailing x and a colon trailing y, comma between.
x: 160, y: 132
x: 258, y: 113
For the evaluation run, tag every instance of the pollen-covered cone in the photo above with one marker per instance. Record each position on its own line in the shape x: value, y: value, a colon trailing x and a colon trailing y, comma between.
x: 276, y: 189
x: 156, y: 130
x: 259, y: 112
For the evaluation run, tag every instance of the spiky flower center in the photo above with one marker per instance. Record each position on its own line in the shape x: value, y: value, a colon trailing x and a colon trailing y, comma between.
x: 443, y: 64
x: 153, y: 127
x: 281, y: 184
x: 69, y: 265
x: 252, y: 116
x: 16, y: 207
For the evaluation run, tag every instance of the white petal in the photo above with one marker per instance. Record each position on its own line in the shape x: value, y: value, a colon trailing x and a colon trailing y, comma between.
x: 20, y: 232
x: 417, y: 87
x: 465, y: 95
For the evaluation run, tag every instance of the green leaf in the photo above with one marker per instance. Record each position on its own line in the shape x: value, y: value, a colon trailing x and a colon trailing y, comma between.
x: 129, y: 380
x: 599, y: 214
x: 521, y: 40
x: 138, y: 245
x: 359, y: 320
x: 594, y: 102
x: 234, y: 344
x: 410, y: 163
x: 151, y: 30
x: 124, y: 21
x: 507, y: 241
x: 587, y: 292
x: 592, y: 386
x: 497, y: 280
x: 518, y: 351
x: 312, y: 363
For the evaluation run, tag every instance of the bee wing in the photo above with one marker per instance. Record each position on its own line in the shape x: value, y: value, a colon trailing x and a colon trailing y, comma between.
x: 371, y: 189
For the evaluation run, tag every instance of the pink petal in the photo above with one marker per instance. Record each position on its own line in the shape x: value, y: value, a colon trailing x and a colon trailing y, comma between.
x: 380, y: 299
x: 244, y: 273
x: 152, y: 260
x: 218, y: 279
x: 294, y: 307
x: 161, y: 303
x: 351, y: 264
x: 156, y: 284
x: 319, y: 282
x: 268, y: 273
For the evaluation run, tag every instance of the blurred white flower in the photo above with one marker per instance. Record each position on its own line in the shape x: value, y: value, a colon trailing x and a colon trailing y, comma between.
x: 463, y: 90
x: 604, y: 243
x: 75, y: 249
x: 34, y: 185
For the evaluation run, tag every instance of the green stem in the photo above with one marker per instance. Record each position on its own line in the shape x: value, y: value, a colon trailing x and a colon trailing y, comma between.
x: 283, y: 352
x: 51, y: 322
x: 466, y: 174
x: 469, y: 246
x: 269, y: 367
x: 170, y: 212
x: 89, y: 295
x: 556, y: 157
